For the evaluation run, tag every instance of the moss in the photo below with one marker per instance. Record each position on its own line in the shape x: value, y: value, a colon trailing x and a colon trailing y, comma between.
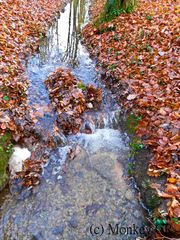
x: 101, y: 30
x: 5, y: 153
x: 152, y: 200
x: 114, y: 8
x: 131, y: 123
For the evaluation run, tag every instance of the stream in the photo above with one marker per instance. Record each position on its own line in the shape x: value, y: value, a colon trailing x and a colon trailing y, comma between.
x: 89, y: 197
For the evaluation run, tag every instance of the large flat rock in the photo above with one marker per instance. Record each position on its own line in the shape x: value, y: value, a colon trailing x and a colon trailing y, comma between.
x: 92, y: 192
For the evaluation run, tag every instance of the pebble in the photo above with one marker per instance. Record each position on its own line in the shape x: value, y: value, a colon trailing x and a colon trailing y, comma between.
x: 129, y: 195
x: 59, y: 139
x: 165, y: 126
x: 137, y: 214
x: 38, y: 236
x: 58, y: 230
x: 88, y: 126
x: 89, y: 105
x: 161, y: 53
x: 73, y: 222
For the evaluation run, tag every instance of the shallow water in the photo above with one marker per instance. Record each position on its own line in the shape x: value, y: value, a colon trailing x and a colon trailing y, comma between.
x: 92, y: 188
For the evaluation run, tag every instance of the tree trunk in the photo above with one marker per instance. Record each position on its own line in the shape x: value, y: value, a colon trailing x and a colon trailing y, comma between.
x: 118, y: 4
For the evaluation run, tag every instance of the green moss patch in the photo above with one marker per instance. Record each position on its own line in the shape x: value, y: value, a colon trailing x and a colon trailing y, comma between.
x: 131, y: 123
x: 5, y: 153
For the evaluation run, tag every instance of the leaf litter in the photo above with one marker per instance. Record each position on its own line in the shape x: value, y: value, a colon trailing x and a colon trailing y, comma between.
x: 139, y: 55
x: 70, y: 98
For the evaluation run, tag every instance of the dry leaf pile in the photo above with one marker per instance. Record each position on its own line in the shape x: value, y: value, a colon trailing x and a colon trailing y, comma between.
x: 71, y: 98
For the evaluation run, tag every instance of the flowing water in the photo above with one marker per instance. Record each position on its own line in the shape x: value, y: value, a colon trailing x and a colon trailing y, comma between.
x: 89, y: 196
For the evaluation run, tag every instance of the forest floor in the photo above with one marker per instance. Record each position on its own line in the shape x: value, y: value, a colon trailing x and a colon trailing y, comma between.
x: 138, y: 53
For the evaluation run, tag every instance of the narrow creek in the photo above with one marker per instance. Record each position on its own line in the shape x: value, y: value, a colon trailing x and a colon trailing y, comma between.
x: 92, y: 189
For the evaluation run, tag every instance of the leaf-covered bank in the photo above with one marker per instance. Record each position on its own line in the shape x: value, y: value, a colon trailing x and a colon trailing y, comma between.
x: 138, y: 52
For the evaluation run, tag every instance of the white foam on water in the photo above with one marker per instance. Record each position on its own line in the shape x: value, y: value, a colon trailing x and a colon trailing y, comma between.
x: 101, y: 139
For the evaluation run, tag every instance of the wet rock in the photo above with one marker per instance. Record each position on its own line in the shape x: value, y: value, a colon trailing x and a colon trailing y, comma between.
x: 116, y: 118
x: 165, y: 126
x: 58, y: 230
x: 137, y: 214
x: 129, y: 196
x: 88, y: 127
x: 73, y: 221
x: 118, y: 212
x: 89, y: 105
x: 63, y: 186
x: 25, y: 193
x: 79, y: 174
x: 38, y: 236
x: 68, y: 205
x: 93, y: 208
x: 71, y: 237
x: 39, y: 133
x: 59, y: 139
x: 175, y: 157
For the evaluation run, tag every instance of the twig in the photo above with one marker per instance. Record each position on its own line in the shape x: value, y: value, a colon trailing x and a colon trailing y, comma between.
x: 164, y: 237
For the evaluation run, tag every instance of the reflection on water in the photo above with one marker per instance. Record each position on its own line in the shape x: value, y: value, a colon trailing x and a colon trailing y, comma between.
x: 62, y: 48
x: 63, y: 40
x: 76, y: 19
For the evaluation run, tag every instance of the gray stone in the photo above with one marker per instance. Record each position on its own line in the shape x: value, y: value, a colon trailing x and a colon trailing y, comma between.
x: 58, y: 230
x: 129, y: 196
x: 165, y: 126
x: 59, y: 139
x: 38, y: 236
x: 137, y: 214
x: 73, y: 221
x: 88, y: 127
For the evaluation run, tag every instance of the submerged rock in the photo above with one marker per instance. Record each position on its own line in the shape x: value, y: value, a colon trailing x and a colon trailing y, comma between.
x: 58, y: 230
x: 88, y: 127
